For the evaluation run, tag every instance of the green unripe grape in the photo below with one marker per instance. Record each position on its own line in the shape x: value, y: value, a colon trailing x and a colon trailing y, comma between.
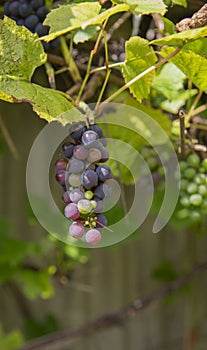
x: 204, y: 164
x: 183, y: 165
x: 184, y: 184
x: 94, y: 204
x: 88, y: 194
x: 202, y: 189
x: 200, y: 179
x: 192, y: 188
x: 161, y: 171
x: 189, y: 173
x: 195, y: 216
x: 193, y: 160
x: 147, y: 152
x: 185, y: 202
x: 202, y: 170
x: 196, y: 200
x: 152, y: 163
x: 183, y: 214
x: 85, y: 206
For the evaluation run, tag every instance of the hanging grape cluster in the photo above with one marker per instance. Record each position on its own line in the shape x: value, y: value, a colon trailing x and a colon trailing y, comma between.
x: 31, y: 14
x: 85, y: 181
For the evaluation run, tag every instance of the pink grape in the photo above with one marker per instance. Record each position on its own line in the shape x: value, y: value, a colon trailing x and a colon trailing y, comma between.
x: 93, y: 236
x: 77, y: 230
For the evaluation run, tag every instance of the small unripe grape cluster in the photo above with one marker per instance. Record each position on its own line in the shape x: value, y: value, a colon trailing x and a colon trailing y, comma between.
x: 193, y: 188
x: 31, y: 14
x: 85, y: 181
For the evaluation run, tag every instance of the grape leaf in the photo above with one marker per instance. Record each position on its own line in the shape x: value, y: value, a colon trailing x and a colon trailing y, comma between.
x: 180, y: 3
x: 178, y: 101
x: 193, y: 66
x: 143, y: 6
x: 81, y: 35
x: 48, y: 104
x: 180, y: 39
x: 20, y: 55
x: 69, y: 17
x: 139, y: 57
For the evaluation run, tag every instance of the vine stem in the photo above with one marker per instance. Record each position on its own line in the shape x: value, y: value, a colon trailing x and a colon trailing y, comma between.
x: 199, y: 110
x: 103, y: 89
x: 67, y: 54
x: 8, y: 139
x: 92, y: 53
x: 141, y: 75
x: 110, y: 66
x: 193, y: 106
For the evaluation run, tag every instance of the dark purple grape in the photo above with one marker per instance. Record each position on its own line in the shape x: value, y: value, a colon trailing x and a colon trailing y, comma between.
x: 104, y: 155
x: 76, y: 195
x: 66, y: 197
x: 55, y: 44
x: 7, y: 9
x: 89, y: 136
x: 60, y: 177
x: 93, y: 236
x: 99, y: 205
x: 77, y: 230
x: 31, y: 21
x: 61, y: 164
x: 103, y: 190
x: 41, y: 30
x: 42, y: 12
x: 94, y: 155
x: 67, y: 149
x: 76, y: 166
x: 14, y: 9
x: 101, y: 221
x: 20, y: 22
x: 80, y: 152
x: 89, y: 179
x: 104, y: 172
x: 25, y: 10
x: 97, y: 129
x: 76, y: 131
x: 37, y: 3
x: 104, y: 141
x: 71, y: 211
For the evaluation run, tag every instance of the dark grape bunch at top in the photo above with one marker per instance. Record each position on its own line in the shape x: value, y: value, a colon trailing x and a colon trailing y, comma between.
x: 85, y: 181
x: 31, y: 14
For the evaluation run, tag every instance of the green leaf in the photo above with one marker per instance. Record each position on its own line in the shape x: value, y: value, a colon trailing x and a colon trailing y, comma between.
x: 193, y: 66
x: 139, y: 57
x: 12, y: 251
x: 35, y: 283
x: 69, y: 17
x: 180, y: 3
x: 180, y: 39
x: 81, y: 35
x: 48, y: 104
x: 143, y: 6
x: 178, y: 101
x: 10, y: 341
x: 20, y: 55
x: 169, y: 26
x: 199, y: 46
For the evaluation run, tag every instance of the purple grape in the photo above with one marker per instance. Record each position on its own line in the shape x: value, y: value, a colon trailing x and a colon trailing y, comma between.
x: 89, y: 136
x: 25, y: 10
x: 71, y: 211
x: 99, y: 205
x: 89, y: 179
x: 37, y: 3
x: 97, y: 129
x: 67, y: 149
x: 7, y: 9
x: 77, y: 230
x: 31, y: 21
x: 14, y: 9
x: 61, y: 164
x: 60, y: 177
x: 77, y: 133
x: 41, y: 30
x: 66, y: 197
x: 76, y: 195
x: 104, y: 155
x: 103, y: 190
x: 42, y: 12
x: 101, y: 221
x: 20, y: 22
x: 74, y: 180
x: 76, y: 166
x: 93, y: 236
x: 104, y: 172
x: 80, y: 152
x: 94, y: 155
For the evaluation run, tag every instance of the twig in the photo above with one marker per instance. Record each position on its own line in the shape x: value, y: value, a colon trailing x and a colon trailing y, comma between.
x: 181, y: 115
x: 60, y: 340
x: 103, y: 89
x: 8, y: 139
x: 193, y: 106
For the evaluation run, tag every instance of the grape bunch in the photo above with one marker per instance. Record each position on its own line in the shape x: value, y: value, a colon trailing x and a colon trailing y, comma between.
x: 85, y: 181
x: 193, y: 194
x: 31, y: 14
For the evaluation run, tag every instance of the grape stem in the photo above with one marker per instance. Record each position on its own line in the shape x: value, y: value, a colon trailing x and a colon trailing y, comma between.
x: 107, y: 228
x: 67, y: 54
x: 182, y: 133
x: 102, y: 89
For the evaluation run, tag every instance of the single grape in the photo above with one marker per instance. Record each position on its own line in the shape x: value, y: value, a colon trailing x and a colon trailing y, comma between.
x: 200, y: 179
x: 25, y: 10
x: 185, y: 201
x: 37, y: 3
x: 67, y: 149
x: 61, y: 164
x: 195, y: 216
x: 196, y: 200
x: 93, y: 236
x: 76, y: 131
x: 42, y: 12
x: 31, y: 21
x: 184, y: 184
x: 88, y: 194
x: 204, y: 163
x: 89, y: 179
x: 93, y: 203
x: 60, y: 177
x: 202, y: 189
x: 192, y: 188
x: 89, y: 136
x: 77, y: 230
x: 85, y: 206
x: 74, y: 180
x: 76, y: 195
x: 101, y: 221
x: 97, y: 129
x: 152, y: 163
x: 94, y: 155
x: 7, y: 9
x: 189, y: 173
x: 66, y: 197
x: 193, y: 160
x: 41, y: 30
x: 76, y: 166
x: 99, y: 205
x: 80, y: 152
x: 104, y: 172
x: 20, y: 22
x: 71, y: 211
x: 183, y: 214
x: 104, y: 155
x: 14, y: 9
